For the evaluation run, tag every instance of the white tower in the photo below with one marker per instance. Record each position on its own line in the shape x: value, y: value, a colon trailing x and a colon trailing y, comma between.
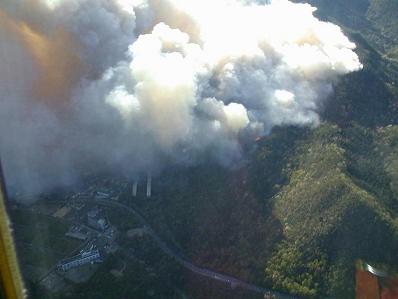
x: 134, y: 191
x: 149, y: 185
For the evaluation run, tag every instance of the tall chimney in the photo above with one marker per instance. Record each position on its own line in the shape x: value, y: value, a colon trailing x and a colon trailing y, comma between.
x: 134, y: 191
x: 149, y: 185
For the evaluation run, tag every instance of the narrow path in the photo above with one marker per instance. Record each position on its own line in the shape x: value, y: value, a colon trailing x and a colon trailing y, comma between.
x: 232, y: 281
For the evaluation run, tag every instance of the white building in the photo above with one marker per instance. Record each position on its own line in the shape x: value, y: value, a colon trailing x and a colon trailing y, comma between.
x: 86, y: 257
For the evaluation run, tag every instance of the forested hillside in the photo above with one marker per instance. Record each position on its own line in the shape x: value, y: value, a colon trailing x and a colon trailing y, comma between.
x: 340, y: 200
x: 337, y: 205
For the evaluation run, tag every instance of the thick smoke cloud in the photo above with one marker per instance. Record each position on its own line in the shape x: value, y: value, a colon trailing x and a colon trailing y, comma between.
x: 130, y: 86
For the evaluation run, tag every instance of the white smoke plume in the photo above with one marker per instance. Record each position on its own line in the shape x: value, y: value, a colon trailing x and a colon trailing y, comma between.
x: 130, y: 85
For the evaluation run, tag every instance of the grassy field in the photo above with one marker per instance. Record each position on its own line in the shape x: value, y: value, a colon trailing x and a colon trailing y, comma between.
x: 40, y: 239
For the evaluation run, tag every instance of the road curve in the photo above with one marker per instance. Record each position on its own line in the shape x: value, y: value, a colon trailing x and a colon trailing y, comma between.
x: 232, y: 281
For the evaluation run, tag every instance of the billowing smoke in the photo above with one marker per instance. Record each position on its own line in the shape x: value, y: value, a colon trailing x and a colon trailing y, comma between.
x: 132, y: 85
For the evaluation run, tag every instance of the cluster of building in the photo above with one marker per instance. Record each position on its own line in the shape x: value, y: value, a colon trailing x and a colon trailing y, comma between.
x: 94, y: 228
x: 100, y: 235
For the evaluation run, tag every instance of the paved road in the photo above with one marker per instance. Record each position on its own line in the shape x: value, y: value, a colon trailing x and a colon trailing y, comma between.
x: 232, y: 281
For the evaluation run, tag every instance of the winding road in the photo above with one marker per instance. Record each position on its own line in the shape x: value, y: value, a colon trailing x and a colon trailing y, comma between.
x: 232, y: 281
